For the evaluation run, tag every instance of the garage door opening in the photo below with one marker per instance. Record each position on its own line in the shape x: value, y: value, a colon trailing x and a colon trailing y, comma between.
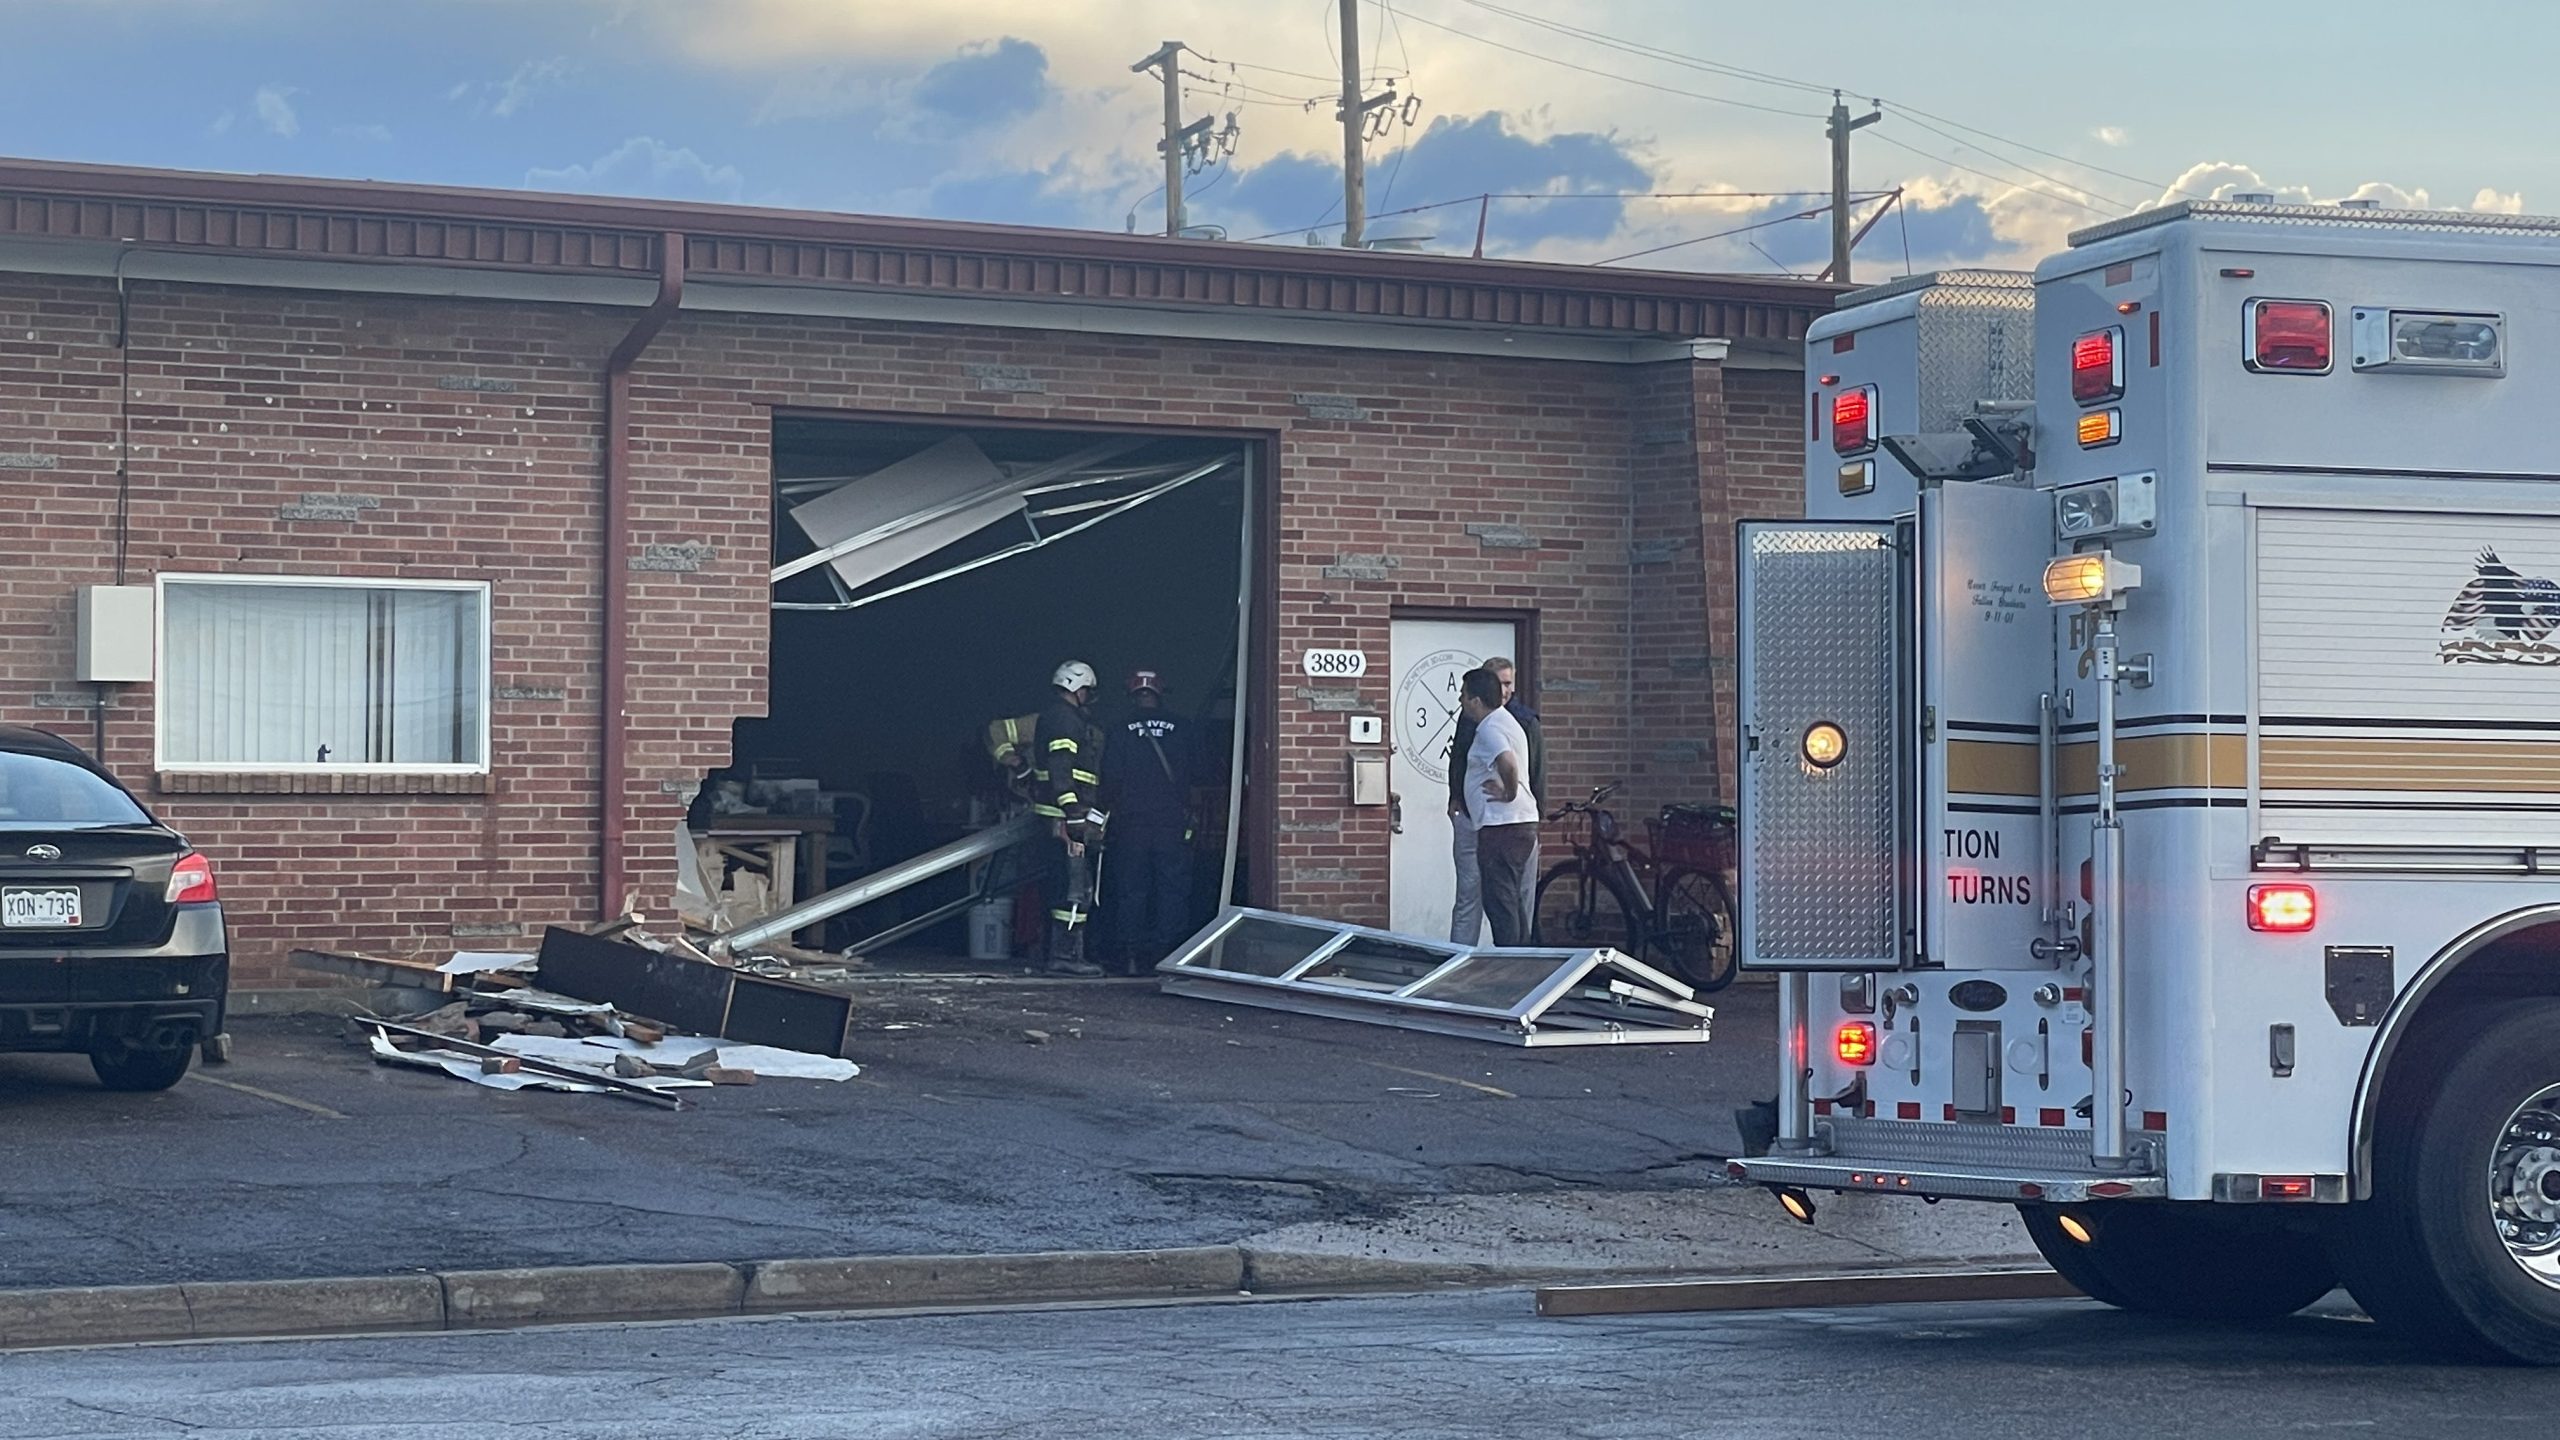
x: 928, y: 580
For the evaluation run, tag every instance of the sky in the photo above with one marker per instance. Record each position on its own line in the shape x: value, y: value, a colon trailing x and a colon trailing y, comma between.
x: 1674, y: 134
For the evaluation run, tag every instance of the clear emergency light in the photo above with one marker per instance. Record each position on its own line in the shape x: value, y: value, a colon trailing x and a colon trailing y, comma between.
x: 2286, y: 337
x: 2428, y: 341
x: 1853, y: 420
x: 2103, y: 507
x: 2097, y: 366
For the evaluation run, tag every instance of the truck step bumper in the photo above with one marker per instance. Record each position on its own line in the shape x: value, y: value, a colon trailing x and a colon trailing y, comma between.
x: 1887, y: 1177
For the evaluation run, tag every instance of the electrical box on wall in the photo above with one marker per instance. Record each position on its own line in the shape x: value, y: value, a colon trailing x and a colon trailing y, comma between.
x: 1368, y: 729
x: 1368, y: 779
x: 114, y: 634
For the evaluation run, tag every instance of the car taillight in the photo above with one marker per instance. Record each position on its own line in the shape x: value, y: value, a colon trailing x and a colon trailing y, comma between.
x: 2289, y: 336
x: 191, y: 880
x: 2282, y: 909
x: 2097, y: 365
x: 1856, y: 1043
x: 1853, y: 420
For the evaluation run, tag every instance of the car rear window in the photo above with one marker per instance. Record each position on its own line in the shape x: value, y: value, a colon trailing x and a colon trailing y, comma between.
x: 39, y: 791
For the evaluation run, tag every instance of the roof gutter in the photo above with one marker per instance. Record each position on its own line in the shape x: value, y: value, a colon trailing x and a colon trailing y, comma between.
x: 614, y: 780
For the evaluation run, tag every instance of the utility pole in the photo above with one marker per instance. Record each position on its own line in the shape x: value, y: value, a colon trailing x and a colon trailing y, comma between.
x: 1355, y: 126
x: 1168, y: 60
x: 1839, y: 129
x: 1355, y: 118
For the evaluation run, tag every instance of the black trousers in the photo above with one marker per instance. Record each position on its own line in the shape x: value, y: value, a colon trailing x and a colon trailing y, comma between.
x: 1502, y: 862
x: 1147, y: 887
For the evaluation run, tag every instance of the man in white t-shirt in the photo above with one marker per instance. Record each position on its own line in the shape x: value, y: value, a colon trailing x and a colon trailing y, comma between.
x: 1500, y: 805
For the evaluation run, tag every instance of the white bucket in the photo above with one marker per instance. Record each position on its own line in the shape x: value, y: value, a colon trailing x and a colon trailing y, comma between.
x: 991, y: 930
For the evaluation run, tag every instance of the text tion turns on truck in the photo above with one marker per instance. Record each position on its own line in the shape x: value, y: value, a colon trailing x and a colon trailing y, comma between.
x: 2151, y: 763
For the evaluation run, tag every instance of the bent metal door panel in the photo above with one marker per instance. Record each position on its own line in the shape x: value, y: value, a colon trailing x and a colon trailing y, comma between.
x: 1824, y: 763
x: 1426, y: 660
x: 1987, y: 659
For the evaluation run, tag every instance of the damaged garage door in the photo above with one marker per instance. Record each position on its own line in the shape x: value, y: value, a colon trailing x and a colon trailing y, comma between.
x: 1520, y: 997
x: 951, y: 503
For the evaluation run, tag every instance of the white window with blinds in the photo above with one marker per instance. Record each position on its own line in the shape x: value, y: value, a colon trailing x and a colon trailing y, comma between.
x: 305, y: 673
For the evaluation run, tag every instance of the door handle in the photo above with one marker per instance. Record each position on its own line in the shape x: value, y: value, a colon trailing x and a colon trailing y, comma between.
x: 1395, y: 813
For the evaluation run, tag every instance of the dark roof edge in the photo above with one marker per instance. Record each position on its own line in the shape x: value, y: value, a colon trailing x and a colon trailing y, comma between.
x: 23, y: 179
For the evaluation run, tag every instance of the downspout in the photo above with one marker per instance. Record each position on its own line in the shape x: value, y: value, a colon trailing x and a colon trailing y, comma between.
x: 613, y: 780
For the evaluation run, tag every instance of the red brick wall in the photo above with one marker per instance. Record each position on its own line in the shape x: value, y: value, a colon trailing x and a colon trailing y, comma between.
x: 475, y: 427
x: 1755, y: 471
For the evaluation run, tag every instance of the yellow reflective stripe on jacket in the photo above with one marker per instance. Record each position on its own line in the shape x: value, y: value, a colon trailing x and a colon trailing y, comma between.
x: 1050, y: 811
x: 1063, y: 742
x: 1085, y: 776
x: 1067, y: 797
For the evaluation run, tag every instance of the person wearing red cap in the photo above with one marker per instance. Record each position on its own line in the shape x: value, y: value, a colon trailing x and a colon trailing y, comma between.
x: 1147, y: 791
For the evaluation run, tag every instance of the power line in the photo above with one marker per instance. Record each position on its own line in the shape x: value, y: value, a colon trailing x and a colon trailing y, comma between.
x: 1267, y: 69
x: 1911, y: 112
x: 1655, y: 52
x: 1910, y: 118
x: 1612, y: 75
x: 1987, y: 175
x: 1717, y: 235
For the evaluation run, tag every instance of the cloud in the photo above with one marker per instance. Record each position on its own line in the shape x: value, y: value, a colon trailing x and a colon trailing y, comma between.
x: 1469, y: 155
x: 531, y: 78
x: 223, y: 122
x: 986, y: 83
x: 2220, y: 179
x: 2113, y: 135
x: 2493, y: 202
x: 274, y: 107
x: 647, y: 167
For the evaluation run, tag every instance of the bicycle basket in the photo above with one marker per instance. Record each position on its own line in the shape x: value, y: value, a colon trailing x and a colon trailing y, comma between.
x: 1694, y: 836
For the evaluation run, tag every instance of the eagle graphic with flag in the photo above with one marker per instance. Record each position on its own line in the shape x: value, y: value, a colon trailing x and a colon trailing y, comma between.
x: 2502, y: 617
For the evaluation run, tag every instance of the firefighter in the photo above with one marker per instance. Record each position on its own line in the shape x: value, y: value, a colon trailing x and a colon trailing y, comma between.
x: 1067, y: 784
x: 1149, y: 796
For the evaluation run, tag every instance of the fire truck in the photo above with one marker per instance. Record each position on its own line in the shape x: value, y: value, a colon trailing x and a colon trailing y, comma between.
x: 2149, y: 773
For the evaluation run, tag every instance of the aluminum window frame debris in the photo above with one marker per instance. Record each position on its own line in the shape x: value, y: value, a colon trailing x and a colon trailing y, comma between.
x: 1587, y: 997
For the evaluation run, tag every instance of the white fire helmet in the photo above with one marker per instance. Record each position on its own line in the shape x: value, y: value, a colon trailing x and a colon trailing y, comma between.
x: 1075, y: 675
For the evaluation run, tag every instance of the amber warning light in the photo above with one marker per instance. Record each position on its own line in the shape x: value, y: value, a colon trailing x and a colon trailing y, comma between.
x: 1856, y: 1043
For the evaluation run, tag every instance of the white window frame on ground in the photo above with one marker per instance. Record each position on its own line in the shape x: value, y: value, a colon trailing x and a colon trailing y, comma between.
x: 166, y: 703
x: 1571, y: 997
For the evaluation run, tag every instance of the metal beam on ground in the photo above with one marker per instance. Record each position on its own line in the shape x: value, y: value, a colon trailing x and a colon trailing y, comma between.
x: 1804, y: 1292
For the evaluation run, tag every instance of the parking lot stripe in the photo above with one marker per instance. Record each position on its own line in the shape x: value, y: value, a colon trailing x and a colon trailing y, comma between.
x: 1494, y: 1091
x: 320, y: 1110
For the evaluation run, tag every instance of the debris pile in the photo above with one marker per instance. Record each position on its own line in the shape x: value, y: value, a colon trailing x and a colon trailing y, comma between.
x: 610, y: 1010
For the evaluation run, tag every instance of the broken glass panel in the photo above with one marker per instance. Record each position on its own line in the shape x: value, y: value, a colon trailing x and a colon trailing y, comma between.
x: 1256, y: 945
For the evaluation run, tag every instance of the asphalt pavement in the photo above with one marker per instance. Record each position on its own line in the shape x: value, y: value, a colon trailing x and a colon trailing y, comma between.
x: 1129, y: 1119
x: 1476, y: 1367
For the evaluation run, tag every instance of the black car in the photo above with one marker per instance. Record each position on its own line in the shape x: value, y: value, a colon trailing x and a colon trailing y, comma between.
x: 111, y: 940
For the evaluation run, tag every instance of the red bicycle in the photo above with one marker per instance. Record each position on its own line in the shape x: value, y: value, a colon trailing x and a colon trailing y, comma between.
x: 1601, y: 897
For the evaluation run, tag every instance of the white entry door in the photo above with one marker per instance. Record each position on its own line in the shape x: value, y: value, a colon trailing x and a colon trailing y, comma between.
x: 1427, y: 658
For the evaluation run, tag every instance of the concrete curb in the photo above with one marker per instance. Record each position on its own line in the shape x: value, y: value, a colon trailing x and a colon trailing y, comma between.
x: 571, y: 1294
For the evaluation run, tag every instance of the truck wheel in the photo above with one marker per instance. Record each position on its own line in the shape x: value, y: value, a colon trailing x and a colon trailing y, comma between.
x: 2192, y: 1261
x: 125, y: 1066
x: 2459, y: 1248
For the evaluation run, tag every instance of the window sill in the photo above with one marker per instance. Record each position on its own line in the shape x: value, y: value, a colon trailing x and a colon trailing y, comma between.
x: 257, y: 782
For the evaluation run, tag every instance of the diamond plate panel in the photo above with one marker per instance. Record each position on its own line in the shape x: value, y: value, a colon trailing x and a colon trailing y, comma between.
x: 1977, y: 342
x: 2002, y: 1147
x: 1821, y: 871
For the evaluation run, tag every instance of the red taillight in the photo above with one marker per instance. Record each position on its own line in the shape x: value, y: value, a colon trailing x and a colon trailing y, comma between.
x: 2291, y: 336
x: 191, y: 880
x: 1853, y: 420
x: 1856, y: 1043
x: 2097, y: 365
x: 2282, y: 909
x: 2284, y: 1187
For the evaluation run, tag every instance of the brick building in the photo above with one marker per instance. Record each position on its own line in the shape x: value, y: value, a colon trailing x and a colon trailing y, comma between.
x: 562, y: 426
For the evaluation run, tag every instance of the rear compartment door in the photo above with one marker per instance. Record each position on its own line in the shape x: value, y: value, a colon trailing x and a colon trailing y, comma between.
x: 1986, y: 662
x: 2408, y: 669
x: 1824, y: 642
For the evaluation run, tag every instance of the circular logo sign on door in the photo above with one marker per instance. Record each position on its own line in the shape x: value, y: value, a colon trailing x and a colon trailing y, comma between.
x: 1427, y: 710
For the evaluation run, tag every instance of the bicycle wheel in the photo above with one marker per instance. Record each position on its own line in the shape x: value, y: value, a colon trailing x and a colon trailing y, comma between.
x: 1696, y: 931
x: 1576, y: 912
